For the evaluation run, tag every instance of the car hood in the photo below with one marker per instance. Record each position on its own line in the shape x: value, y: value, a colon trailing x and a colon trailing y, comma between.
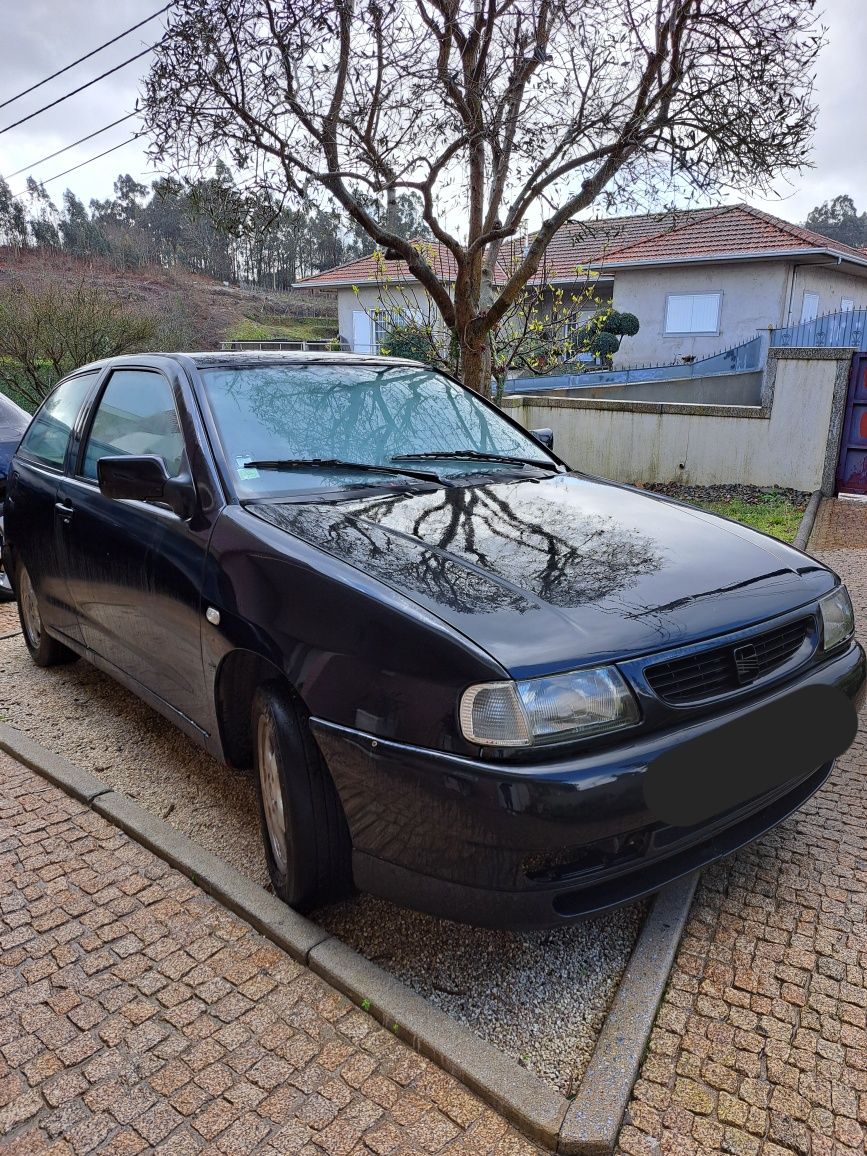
x: 550, y: 573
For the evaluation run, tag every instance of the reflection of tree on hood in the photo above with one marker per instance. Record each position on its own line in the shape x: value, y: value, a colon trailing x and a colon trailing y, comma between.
x: 450, y: 544
x: 398, y: 561
x: 583, y: 558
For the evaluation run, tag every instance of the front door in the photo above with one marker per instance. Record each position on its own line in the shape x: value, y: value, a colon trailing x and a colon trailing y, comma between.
x: 35, y: 517
x: 134, y: 568
x: 362, y: 332
x: 852, y: 465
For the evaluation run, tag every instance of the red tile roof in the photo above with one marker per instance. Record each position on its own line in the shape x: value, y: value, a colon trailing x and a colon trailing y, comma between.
x: 736, y: 231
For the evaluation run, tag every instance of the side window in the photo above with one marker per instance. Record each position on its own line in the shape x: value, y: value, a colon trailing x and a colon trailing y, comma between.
x: 48, y: 435
x: 136, y: 415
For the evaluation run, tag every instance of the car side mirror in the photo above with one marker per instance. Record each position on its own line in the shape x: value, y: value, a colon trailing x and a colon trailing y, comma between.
x: 145, y: 479
x: 545, y: 436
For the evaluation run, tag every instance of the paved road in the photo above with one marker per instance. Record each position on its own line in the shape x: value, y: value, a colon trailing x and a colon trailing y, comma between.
x: 760, y: 1046
x: 136, y: 1014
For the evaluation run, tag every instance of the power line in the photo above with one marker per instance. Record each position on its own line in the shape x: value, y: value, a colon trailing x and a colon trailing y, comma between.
x: 80, y: 88
x: 87, y: 56
x: 66, y: 148
x: 81, y: 165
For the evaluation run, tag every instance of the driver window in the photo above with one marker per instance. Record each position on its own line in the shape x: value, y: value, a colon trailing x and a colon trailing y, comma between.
x: 136, y: 415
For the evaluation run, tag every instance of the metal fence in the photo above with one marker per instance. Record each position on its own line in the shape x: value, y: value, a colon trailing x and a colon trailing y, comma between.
x: 841, y: 330
x: 333, y: 345
x: 741, y: 358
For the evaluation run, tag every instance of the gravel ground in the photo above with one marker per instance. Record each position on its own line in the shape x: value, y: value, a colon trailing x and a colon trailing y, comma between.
x: 752, y: 495
x: 540, y: 997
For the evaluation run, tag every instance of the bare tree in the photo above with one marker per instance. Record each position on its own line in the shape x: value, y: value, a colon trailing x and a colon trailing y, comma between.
x: 493, y: 112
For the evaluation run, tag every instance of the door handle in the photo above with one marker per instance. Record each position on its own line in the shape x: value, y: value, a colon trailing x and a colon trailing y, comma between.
x: 65, y: 510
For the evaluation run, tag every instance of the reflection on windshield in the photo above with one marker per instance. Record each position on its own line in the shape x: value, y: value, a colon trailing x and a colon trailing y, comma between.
x: 360, y: 413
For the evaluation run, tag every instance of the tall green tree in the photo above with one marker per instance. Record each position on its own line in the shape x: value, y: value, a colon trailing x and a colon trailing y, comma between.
x: 840, y: 220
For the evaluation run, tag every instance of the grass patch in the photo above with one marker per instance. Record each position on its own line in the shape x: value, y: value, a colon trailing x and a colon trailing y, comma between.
x: 773, y: 514
x: 283, y: 329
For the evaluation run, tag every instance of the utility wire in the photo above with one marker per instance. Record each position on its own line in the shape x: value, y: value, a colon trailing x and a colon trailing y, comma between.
x: 66, y: 148
x: 81, y: 165
x: 80, y: 88
x: 87, y: 56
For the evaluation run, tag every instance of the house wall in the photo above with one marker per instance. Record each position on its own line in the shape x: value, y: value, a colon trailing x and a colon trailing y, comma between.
x: 791, y: 439
x: 369, y: 298
x: 830, y: 284
x: 754, y: 297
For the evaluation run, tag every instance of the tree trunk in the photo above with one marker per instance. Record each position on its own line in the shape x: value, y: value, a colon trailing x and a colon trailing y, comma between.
x: 476, y: 368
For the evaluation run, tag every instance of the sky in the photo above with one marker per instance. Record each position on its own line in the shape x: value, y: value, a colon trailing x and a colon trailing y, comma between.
x: 42, y: 36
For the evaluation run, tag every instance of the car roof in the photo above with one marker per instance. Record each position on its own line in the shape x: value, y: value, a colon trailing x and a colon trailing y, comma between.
x: 245, y: 358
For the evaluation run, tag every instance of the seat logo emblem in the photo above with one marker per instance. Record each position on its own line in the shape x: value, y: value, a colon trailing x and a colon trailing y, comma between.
x: 746, y: 663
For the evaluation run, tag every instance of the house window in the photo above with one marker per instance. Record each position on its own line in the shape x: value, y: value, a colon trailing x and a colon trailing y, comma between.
x: 573, y: 332
x: 809, y: 307
x: 847, y: 304
x: 383, y: 324
x: 692, y: 313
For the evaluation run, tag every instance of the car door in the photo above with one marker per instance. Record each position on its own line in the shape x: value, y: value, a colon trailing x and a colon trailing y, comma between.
x: 135, y: 568
x: 31, y: 522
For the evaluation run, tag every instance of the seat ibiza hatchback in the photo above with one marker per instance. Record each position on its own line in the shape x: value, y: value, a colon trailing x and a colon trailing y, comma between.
x: 468, y: 677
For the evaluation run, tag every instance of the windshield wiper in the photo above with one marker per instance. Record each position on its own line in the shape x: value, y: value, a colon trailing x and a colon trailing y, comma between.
x: 339, y: 464
x: 474, y: 456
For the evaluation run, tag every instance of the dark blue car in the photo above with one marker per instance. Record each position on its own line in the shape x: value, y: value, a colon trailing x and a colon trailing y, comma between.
x: 13, y: 423
x: 469, y: 678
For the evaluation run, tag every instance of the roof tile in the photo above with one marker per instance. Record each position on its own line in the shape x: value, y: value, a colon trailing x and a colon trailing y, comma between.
x: 619, y: 242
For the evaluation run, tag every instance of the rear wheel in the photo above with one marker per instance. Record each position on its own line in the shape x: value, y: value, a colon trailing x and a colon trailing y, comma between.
x: 44, y: 650
x: 304, y: 830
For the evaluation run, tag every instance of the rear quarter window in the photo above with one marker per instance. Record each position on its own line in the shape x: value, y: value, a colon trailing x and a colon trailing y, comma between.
x: 48, y: 435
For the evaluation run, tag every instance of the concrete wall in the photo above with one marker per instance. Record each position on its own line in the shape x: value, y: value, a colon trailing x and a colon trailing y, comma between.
x: 791, y: 439
x: 755, y: 295
x: 718, y: 389
x: 367, y: 300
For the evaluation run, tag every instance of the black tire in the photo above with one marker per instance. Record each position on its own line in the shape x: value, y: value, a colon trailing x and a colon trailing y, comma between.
x: 307, y: 844
x: 44, y: 650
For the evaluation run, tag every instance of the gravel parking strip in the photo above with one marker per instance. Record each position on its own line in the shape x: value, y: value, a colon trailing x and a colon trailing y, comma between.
x: 540, y: 997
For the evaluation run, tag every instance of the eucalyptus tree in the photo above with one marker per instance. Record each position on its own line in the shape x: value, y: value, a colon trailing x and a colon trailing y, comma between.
x: 506, y: 118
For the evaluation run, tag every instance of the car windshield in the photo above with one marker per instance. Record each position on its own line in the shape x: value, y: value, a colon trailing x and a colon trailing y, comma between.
x: 362, y: 415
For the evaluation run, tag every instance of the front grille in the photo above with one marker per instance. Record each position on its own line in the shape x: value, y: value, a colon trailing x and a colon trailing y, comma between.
x: 726, y: 668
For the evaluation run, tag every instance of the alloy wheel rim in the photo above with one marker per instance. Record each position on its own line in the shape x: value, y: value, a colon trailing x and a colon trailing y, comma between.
x: 30, y: 615
x: 272, y: 793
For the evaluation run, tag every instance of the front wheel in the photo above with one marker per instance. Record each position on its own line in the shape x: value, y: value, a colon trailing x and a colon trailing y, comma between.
x: 307, y: 844
x: 44, y: 650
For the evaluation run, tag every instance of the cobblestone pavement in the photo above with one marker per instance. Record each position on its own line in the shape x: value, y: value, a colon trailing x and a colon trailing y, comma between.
x: 760, y: 1045
x: 136, y: 1014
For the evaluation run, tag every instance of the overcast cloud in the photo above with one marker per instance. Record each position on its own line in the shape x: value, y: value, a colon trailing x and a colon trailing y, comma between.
x: 43, y: 35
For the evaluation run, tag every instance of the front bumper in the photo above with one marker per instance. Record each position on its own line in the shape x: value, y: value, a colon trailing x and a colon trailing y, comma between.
x: 481, y: 843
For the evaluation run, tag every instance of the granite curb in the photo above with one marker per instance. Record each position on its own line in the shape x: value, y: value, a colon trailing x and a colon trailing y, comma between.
x: 805, y: 529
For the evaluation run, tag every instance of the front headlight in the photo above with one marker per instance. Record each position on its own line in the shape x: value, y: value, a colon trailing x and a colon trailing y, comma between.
x: 838, y: 618
x: 553, y: 709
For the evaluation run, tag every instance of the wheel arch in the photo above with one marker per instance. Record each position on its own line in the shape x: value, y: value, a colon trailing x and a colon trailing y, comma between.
x: 239, y: 674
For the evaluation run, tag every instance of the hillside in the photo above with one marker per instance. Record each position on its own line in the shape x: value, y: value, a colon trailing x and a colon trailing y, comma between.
x: 215, y: 311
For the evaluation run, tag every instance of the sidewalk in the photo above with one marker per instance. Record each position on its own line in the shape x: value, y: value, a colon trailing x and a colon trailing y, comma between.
x: 760, y: 1045
x: 137, y: 1014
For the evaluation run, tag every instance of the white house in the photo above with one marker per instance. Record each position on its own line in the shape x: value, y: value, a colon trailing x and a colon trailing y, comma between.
x: 699, y: 281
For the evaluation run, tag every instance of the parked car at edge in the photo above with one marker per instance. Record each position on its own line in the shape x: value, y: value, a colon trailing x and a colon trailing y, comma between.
x: 13, y: 422
x: 469, y: 679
